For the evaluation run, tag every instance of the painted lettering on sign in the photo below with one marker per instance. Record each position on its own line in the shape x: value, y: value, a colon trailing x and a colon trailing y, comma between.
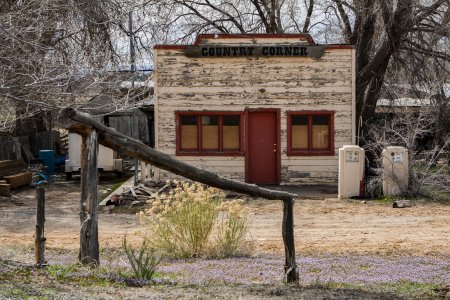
x: 227, y: 51
x: 285, y: 51
x: 255, y: 51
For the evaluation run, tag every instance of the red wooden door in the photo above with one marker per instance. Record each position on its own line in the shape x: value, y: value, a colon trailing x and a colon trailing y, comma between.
x: 262, y: 155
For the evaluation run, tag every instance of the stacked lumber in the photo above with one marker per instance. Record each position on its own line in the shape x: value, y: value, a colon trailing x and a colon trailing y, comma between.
x: 19, y: 179
x: 12, y: 175
x: 5, y: 188
x: 10, y: 167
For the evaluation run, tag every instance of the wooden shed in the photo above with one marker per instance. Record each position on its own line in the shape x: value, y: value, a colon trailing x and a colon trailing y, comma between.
x: 137, y: 122
x: 267, y: 109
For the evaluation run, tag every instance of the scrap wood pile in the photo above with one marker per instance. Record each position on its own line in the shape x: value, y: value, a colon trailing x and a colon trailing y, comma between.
x: 139, y: 195
x: 13, y: 174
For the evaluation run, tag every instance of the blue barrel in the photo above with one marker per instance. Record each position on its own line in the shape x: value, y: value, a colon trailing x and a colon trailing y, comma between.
x: 48, y: 158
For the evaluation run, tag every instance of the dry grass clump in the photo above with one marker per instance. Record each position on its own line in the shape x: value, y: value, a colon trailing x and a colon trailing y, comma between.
x: 183, y: 222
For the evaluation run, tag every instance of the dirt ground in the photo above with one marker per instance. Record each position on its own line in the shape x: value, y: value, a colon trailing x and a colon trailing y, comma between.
x: 322, y: 225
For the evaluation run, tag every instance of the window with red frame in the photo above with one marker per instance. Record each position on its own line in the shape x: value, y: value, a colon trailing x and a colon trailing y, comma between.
x: 310, y: 133
x: 212, y: 132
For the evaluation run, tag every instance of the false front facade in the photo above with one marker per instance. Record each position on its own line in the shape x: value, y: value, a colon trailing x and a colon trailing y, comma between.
x: 265, y: 109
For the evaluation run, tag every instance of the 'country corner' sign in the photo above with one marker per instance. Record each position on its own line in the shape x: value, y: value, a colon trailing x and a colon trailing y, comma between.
x: 254, y: 51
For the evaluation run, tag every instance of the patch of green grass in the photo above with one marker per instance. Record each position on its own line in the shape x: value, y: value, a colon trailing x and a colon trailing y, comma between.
x: 62, y: 272
x: 412, y: 290
x: 407, y: 289
x: 364, y: 267
x: 165, y: 276
x: 384, y: 199
x: 339, y: 285
x: 117, y: 183
x: 314, y: 270
x: 113, y: 184
x: 18, y: 293
x: 437, y: 195
x: 18, y: 290
x: 75, y: 273
x: 22, y: 274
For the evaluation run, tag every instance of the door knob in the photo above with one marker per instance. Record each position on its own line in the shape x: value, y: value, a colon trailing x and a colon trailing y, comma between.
x: 274, y: 150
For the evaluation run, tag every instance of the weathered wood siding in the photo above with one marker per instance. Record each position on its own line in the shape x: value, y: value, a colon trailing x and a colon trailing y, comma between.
x: 46, y: 140
x: 6, y: 149
x: 135, y: 126
x: 239, y: 83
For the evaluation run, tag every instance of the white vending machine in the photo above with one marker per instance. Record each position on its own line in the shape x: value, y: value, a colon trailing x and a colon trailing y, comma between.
x: 351, y: 171
x: 395, y: 170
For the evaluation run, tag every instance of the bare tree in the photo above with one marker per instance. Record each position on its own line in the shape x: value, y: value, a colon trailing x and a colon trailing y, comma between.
x: 408, y: 31
x: 414, y: 123
x: 381, y: 31
x: 57, y: 53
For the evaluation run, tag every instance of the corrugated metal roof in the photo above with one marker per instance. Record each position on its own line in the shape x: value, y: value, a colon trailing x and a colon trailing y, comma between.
x: 404, y: 102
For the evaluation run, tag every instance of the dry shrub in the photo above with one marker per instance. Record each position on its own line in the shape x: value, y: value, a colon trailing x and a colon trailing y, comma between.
x: 232, y: 229
x: 183, y: 222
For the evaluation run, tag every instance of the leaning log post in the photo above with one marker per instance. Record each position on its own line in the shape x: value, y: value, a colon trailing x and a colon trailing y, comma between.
x: 39, y: 238
x: 83, y: 123
x: 89, y: 246
x: 290, y: 267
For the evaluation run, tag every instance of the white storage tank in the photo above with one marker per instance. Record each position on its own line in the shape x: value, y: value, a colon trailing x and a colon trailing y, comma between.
x: 106, y: 161
x: 395, y: 170
x: 351, y: 171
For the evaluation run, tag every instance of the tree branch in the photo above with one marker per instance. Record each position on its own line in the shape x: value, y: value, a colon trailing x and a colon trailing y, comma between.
x: 308, y: 16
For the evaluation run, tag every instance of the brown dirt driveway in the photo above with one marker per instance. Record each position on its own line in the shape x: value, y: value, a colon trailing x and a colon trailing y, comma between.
x: 323, y: 223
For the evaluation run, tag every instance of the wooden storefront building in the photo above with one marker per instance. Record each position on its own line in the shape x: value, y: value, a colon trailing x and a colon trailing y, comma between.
x: 267, y: 109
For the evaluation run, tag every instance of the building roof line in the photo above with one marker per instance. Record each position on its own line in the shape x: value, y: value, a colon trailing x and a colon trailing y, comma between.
x: 204, y: 36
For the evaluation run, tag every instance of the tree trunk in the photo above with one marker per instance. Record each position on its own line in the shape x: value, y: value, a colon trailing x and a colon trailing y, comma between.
x: 89, y: 247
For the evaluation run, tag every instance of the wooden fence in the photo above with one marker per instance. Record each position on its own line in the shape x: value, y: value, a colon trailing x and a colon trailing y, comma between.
x: 7, y: 150
x: 30, y: 146
x: 94, y: 133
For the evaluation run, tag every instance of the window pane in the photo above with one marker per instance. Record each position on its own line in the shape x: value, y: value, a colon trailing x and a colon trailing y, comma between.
x: 188, y: 132
x: 230, y: 127
x: 321, y: 120
x: 320, y: 132
x: 189, y: 120
x: 299, y: 137
x: 210, y: 120
x: 299, y: 132
x: 210, y: 132
x: 299, y: 120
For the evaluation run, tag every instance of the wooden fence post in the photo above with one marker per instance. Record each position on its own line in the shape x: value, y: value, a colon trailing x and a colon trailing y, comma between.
x: 290, y: 267
x: 136, y: 171
x: 83, y: 123
x: 143, y: 172
x: 39, y: 238
x: 89, y: 246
